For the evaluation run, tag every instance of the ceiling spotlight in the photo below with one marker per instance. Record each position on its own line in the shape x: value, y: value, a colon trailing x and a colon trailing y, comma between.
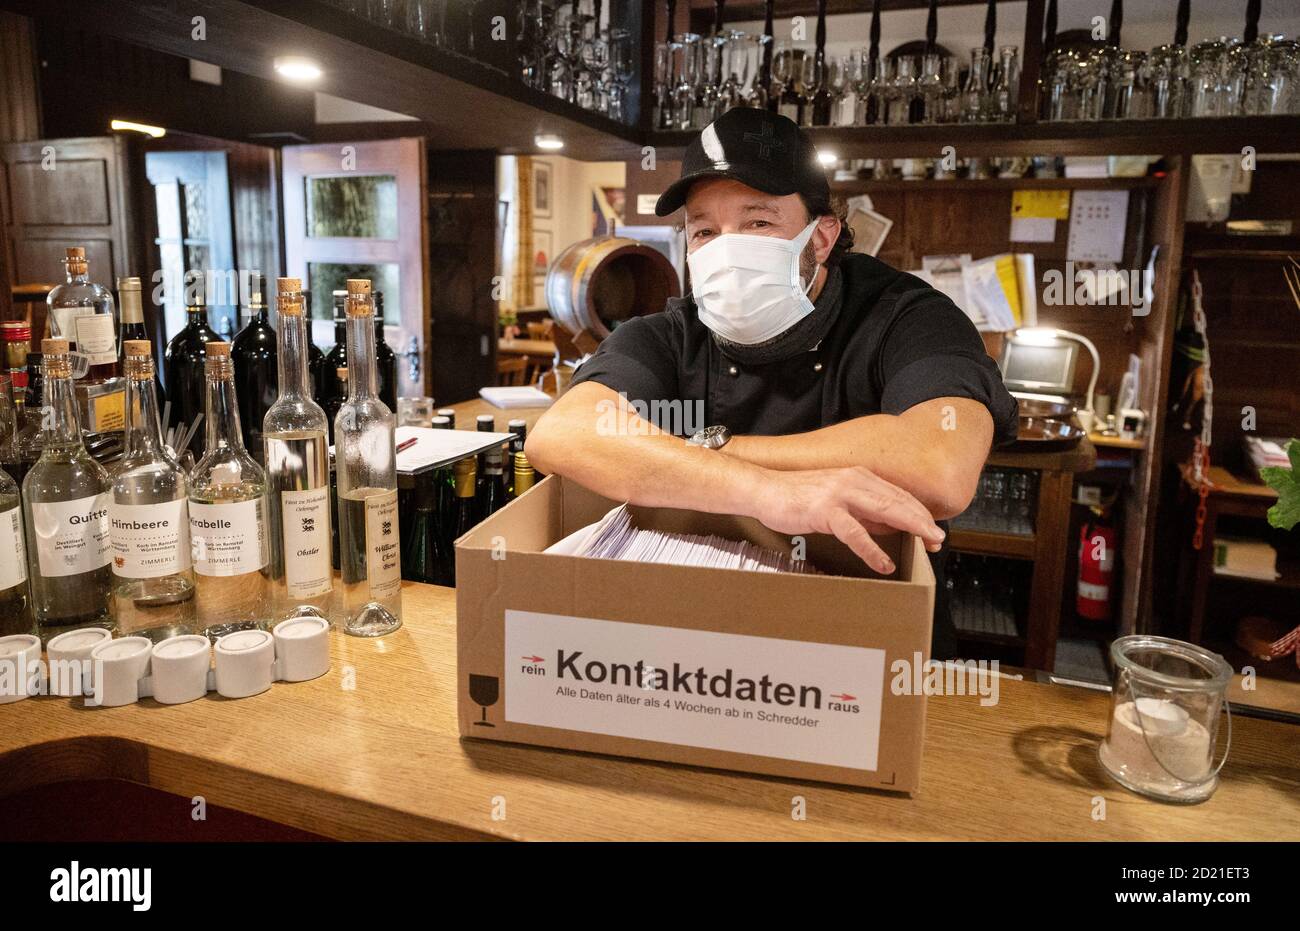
x: 127, y: 126
x: 297, y: 69
x: 548, y: 141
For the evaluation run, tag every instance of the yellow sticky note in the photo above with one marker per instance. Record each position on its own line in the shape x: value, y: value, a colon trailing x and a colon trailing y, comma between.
x: 1043, y: 205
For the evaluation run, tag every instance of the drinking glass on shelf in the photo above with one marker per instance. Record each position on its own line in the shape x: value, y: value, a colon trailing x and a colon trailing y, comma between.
x: 838, y: 83
x: 901, y: 93
x: 1208, y: 91
x: 737, y: 66
x: 810, y: 78
x: 784, y: 59
x: 663, y: 87
x: 1279, y: 89
x: 595, y: 59
x: 686, y: 77
x: 760, y: 89
x: 622, y: 69
x: 975, y: 94
x: 1006, y: 86
x: 1129, y: 87
x: 1166, y: 81
x: 930, y: 88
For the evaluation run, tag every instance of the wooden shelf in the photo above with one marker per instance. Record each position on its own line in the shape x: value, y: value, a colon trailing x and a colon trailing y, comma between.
x: 1115, y: 442
x: 1011, y: 546
x: 1103, y: 137
x: 860, y: 185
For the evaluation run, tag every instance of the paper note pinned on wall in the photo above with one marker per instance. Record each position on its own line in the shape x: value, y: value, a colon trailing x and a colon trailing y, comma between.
x: 1040, y: 205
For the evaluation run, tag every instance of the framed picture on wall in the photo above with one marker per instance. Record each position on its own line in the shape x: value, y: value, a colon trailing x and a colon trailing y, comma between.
x: 543, y: 255
x: 542, y: 190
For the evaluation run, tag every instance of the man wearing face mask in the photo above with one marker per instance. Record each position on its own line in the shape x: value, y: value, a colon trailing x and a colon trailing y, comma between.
x: 841, y: 396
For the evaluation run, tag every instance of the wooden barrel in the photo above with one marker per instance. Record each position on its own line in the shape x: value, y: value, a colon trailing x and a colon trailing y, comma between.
x: 596, y: 284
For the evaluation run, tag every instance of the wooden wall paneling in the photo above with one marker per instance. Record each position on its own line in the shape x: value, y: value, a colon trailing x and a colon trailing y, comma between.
x: 20, y: 111
x: 1155, y: 346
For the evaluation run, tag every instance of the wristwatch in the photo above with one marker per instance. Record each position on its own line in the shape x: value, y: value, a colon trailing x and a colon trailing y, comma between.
x: 714, y: 437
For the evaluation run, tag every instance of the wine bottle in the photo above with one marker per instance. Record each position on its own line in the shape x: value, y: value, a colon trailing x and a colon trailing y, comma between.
x: 27, y: 442
x: 65, y: 512
x: 149, y: 525
x: 253, y: 353
x: 228, y: 532
x: 519, y: 428
x: 132, y: 310
x: 464, y: 514
x: 183, y: 366
x: 385, y: 359
x: 297, y: 476
x: 524, y: 474
x: 332, y: 404
x: 366, y: 463
x: 331, y: 394
x: 84, y: 313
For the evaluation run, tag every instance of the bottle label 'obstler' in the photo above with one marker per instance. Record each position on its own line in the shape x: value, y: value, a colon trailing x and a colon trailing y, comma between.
x: 72, y: 536
x: 308, y: 571
x: 227, y: 539
x: 383, y: 555
x: 95, y: 338
x: 13, y: 556
x: 149, y: 540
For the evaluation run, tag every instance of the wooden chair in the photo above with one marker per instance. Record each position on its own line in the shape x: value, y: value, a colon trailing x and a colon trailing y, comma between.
x: 541, y: 329
x: 512, y: 370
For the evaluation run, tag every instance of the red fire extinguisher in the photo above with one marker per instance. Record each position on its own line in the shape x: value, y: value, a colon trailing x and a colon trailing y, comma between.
x: 1096, y: 569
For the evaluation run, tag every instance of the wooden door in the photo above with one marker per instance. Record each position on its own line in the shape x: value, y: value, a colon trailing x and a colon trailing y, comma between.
x: 356, y: 210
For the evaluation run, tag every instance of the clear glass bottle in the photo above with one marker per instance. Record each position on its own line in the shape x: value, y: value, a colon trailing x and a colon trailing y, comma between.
x: 366, y: 462
x: 15, y: 607
x: 65, y: 511
x: 297, y: 477
x: 1006, y: 87
x: 149, y: 524
x: 975, y: 95
x: 228, y: 529
x: 85, y: 314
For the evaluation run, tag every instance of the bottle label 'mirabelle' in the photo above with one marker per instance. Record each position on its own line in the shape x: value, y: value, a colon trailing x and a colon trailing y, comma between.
x: 308, y: 570
x: 149, y: 540
x: 383, y: 555
x: 72, y: 536
x: 95, y: 338
x: 227, y: 539
x: 13, y: 556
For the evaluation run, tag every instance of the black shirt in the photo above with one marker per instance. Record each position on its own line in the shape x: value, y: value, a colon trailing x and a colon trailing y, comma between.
x: 895, y: 342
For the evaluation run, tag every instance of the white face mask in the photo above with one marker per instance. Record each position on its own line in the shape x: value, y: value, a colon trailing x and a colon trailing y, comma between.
x: 748, y: 288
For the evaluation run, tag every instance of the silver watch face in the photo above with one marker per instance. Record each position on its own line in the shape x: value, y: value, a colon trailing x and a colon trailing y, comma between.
x: 714, y: 437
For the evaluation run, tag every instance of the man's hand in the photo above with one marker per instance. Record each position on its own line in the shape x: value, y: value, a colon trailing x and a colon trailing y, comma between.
x: 850, y: 503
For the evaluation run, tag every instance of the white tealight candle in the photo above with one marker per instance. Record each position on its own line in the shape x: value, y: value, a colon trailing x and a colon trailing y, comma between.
x: 243, y: 640
x: 1163, y: 717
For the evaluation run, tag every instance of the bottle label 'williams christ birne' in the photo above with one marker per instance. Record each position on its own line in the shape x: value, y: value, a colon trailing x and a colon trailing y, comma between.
x: 308, y: 570
x: 383, y: 554
x: 227, y: 539
x: 72, y: 536
x: 149, y: 540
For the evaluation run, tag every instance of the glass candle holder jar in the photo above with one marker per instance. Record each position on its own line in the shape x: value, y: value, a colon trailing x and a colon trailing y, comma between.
x: 1164, y: 718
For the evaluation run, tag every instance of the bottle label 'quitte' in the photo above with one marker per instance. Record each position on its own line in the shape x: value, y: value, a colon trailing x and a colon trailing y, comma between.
x: 149, y: 540
x: 72, y: 537
x: 383, y: 554
x: 308, y: 571
x: 13, y: 554
x: 228, y: 538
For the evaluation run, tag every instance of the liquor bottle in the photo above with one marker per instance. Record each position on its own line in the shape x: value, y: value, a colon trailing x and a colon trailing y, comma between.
x: 297, y: 476
x: 84, y: 313
x: 184, y: 364
x: 331, y: 409
x: 17, y: 336
x: 149, y: 524
x: 366, y: 463
x: 129, y: 303
x: 27, y: 442
x: 525, y: 477
x: 228, y: 538
x: 253, y: 353
x: 65, y: 512
x: 15, y: 607
x: 385, y: 359
x: 330, y: 393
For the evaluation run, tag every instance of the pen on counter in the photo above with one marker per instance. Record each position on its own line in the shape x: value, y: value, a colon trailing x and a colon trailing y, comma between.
x: 406, y: 444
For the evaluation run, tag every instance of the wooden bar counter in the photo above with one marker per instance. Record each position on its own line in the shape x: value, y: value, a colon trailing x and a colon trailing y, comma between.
x: 370, y: 751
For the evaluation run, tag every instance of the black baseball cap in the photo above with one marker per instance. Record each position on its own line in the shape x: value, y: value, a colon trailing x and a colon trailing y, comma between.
x: 766, y: 151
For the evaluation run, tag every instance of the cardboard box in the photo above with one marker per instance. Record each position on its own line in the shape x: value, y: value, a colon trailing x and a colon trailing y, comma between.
x: 775, y: 673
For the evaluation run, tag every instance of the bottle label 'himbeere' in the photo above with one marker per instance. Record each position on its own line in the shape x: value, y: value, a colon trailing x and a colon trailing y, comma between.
x: 149, y: 540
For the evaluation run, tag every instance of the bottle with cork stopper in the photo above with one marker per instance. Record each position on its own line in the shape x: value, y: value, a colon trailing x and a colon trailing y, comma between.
x: 295, y: 433
x: 66, y: 494
x: 153, y: 582
x: 84, y: 313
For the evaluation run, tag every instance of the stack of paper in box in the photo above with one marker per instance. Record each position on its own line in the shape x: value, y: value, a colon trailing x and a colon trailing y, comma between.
x: 1251, y: 559
x: 615, y: 537
x: 1267, y: 451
